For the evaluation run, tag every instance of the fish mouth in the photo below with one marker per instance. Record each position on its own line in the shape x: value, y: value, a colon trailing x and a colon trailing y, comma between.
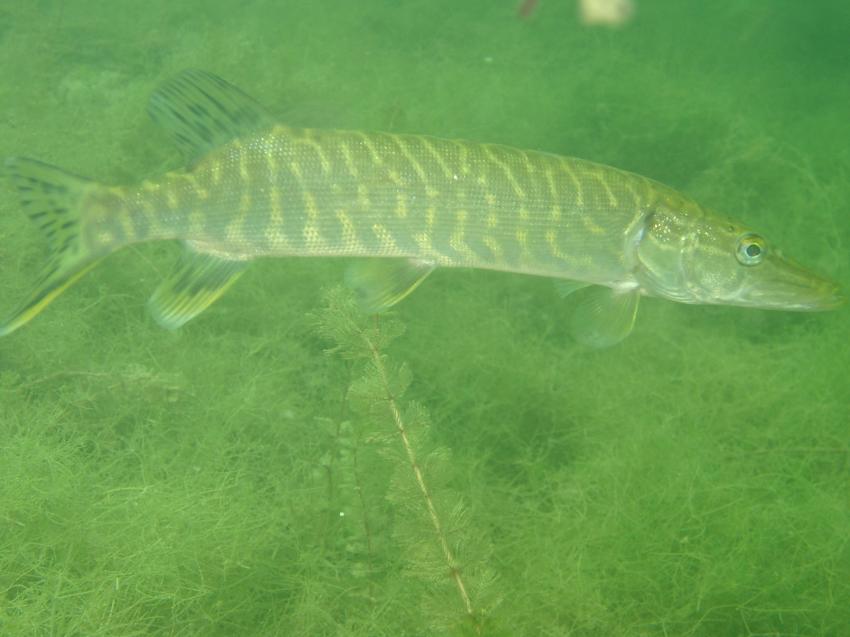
x: 791, y: 287
x: 826, y: 297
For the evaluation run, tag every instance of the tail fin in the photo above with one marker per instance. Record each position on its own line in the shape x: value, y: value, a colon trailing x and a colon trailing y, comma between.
x: 53, y: 200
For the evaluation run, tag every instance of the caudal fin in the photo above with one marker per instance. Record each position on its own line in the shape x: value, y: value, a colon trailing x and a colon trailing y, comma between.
x: 53, y: 199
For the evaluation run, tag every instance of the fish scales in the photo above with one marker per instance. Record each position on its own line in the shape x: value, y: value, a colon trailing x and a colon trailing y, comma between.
x: 337, y: 193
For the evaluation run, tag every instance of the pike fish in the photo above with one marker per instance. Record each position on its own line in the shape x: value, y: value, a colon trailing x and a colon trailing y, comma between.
x: 409, y: 204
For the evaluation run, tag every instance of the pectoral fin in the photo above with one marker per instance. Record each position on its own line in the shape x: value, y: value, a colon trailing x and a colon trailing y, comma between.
x: 604, y: 317
x: 381, y: 283
x: 198, y: 280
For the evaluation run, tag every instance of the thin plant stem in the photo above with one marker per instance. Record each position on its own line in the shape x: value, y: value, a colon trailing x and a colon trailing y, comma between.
x: 398, y: 420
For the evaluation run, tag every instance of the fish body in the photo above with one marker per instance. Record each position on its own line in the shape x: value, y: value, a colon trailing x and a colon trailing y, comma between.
x: 256, y: 188
x: 302, y: 192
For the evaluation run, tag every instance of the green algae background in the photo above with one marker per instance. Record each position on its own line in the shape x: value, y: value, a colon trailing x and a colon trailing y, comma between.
x: 694, y: 480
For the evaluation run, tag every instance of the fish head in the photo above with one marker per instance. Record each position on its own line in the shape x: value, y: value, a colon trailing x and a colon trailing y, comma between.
x: 687, y: 254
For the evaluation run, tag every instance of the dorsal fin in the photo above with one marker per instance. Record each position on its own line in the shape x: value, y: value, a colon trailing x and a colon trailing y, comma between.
x: 202, y: 111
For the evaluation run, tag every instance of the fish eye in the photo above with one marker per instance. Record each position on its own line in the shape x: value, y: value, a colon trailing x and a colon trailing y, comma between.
x: 751, y: 249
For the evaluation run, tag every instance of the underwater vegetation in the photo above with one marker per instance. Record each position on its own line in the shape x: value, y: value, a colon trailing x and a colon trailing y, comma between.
x: 418, y: 467
x: 374, y: 518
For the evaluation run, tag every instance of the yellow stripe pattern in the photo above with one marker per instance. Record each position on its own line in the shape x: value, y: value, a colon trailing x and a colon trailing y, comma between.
x: 307, y: 192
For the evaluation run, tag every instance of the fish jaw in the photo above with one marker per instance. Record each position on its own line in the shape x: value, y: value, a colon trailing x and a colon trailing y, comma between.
x: 782, y: 284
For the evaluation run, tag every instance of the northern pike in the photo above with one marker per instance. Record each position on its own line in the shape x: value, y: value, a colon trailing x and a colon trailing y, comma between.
x: 410, y: 203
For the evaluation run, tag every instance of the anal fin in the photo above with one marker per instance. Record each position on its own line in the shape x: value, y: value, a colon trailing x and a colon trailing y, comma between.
x: 199, y: 279
x: 380, y: 283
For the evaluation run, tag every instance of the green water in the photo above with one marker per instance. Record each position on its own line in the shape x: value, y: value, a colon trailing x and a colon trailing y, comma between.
x: 693, y: 480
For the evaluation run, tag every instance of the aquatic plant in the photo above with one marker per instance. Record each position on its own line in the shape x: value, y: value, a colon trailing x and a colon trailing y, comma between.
x: 430, y: 521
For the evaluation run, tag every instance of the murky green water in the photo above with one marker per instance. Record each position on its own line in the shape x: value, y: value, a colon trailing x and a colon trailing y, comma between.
x: 693, y: 480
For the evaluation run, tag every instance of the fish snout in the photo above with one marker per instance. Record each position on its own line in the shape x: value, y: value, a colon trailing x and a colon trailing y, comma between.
x: 790, y: 286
